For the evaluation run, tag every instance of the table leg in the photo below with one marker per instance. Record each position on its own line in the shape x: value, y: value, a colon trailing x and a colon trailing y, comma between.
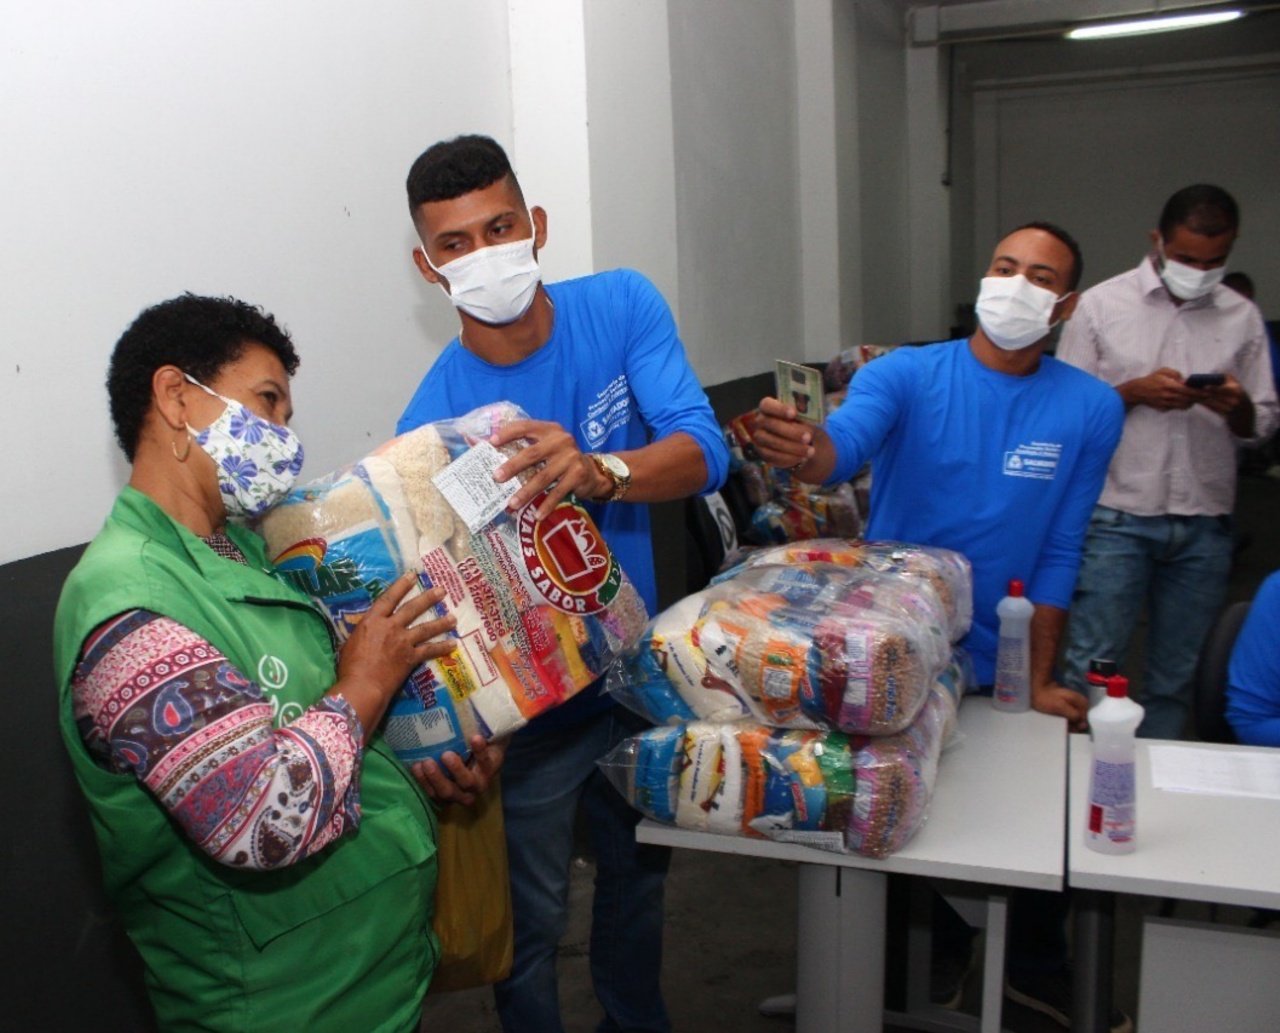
x: 1094, y: 946
x: 993, y: 962
x: 840, y: 950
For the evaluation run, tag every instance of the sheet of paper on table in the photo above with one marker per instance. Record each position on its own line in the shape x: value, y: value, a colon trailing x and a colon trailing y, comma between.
x: 1188, y: 769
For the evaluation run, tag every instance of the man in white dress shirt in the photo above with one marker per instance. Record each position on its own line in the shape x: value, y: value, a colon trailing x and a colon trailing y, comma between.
x: 1190, y: 360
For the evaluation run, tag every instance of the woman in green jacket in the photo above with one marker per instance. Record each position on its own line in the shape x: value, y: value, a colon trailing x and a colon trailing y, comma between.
x: 270, y: 858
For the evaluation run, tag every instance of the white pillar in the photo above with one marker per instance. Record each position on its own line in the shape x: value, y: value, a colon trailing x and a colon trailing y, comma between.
x: 928, y: 200
x: 821, y: 282
x: 551, y: 153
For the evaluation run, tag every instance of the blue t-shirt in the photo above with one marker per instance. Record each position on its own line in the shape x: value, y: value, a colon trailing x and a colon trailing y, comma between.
x: 1253, y: 676
x: 615, y: 375
x: 1001, y: 468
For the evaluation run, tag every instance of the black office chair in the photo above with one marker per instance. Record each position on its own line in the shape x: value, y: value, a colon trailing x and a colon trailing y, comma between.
x: 712, y: 536
x: 1209, y: 688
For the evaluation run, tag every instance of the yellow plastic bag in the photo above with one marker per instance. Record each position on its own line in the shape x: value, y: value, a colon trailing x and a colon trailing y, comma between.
x: 473, y: 895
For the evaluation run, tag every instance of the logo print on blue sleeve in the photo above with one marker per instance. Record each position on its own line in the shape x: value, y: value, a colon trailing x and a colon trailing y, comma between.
x: 610, y: 410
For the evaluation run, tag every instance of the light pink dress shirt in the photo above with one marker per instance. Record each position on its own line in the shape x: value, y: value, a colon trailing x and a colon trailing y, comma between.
x: 1178, y: 462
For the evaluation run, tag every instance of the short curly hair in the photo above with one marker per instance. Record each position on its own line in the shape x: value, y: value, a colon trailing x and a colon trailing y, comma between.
x: 200, y: 336
x: 451, y: 168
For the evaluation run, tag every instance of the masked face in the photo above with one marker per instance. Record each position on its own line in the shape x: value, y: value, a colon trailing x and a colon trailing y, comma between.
x: 257, y: 461
x: 1013, y: 312
x: 494, y: 284
x: 1186, y: 281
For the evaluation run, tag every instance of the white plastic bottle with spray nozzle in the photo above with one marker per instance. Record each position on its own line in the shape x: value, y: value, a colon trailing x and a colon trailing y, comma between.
x: 1111, y: 821
x: 1013, y: 651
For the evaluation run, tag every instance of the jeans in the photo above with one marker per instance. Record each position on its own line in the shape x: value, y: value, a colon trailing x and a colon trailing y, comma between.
x: 543, y: 779
x: 1178, y: 566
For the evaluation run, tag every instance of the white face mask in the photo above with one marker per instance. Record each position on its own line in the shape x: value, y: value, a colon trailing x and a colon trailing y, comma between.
x: 1014, y: 312
x: 494, y: 284
x: 257, y: 460
x: 1186, y: 282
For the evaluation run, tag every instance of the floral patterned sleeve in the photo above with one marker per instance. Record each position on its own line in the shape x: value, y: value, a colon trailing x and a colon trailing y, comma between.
x: 153, y: 698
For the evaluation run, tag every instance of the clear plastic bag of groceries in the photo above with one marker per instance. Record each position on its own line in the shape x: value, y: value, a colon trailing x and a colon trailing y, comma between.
x: 797, y: 645
x: 946, y: 571
x: 859, y: 794
x: 543, y: 607
x: 800, y: 511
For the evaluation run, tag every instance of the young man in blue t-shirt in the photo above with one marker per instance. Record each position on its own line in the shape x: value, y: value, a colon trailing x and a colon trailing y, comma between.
x: 992, y: 448
x: 617, y: 418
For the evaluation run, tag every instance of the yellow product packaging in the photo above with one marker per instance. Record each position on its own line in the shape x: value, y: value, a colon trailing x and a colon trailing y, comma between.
x: 473, y: 895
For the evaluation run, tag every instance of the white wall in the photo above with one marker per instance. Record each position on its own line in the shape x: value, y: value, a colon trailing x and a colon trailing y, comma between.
x: 629, y: 109
x: 882, y: 131
x: 551, y: 146
x: 1096, y: 136
x: 219, y: 147
x: 260, y: 150
x: 733, y: 80
x: 1117, y: 154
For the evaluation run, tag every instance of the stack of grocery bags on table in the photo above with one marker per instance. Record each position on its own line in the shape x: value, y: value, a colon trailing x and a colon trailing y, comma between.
x: 542, y: 606
x: 804, y: 696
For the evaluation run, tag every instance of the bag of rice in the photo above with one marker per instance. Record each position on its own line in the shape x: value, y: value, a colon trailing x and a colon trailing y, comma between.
x: 543, y: 607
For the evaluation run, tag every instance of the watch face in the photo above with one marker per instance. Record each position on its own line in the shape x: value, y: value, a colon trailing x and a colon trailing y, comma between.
x: 616, y: 466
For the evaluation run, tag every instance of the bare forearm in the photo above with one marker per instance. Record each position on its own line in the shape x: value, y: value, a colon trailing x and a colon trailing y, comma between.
x: 1047, y: 624
x: 672, y: 468
x: 1046, y: 695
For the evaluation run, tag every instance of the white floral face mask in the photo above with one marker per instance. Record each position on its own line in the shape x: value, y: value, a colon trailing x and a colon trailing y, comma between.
x: 257, y: 460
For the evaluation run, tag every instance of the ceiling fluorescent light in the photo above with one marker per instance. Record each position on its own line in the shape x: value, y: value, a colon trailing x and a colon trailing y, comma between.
x: 1145, y: 25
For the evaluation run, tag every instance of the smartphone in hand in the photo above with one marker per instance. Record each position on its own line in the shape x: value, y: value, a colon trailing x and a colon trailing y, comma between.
x: 1199, y: 381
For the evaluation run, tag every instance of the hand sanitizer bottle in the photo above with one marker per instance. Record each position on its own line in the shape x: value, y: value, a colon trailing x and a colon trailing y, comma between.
x: 1013, y: 651
x: 1111, y: 822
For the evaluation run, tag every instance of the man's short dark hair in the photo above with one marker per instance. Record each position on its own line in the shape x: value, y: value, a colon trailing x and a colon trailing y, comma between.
x: 1203, y: 208
x: 1077, y: 257
x: 198, y: 335
x: 451, y: 168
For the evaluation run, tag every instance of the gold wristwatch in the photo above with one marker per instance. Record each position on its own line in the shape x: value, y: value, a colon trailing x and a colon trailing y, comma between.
x: 616, y: 470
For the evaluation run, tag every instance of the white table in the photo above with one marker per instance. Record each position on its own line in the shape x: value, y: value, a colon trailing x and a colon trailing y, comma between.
x: 996, y: 819
x: 1190, y: 846
x: 1220, y: 849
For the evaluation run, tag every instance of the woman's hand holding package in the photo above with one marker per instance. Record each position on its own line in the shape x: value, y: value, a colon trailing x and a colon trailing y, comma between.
x: 454, y: 780
x: 553, y: 462
x: 386, y: 645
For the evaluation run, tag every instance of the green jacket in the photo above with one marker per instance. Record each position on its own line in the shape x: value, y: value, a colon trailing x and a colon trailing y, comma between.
x: 340, y: 941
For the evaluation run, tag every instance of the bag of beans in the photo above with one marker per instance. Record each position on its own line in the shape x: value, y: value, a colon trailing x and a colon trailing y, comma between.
x: 543, y: 607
